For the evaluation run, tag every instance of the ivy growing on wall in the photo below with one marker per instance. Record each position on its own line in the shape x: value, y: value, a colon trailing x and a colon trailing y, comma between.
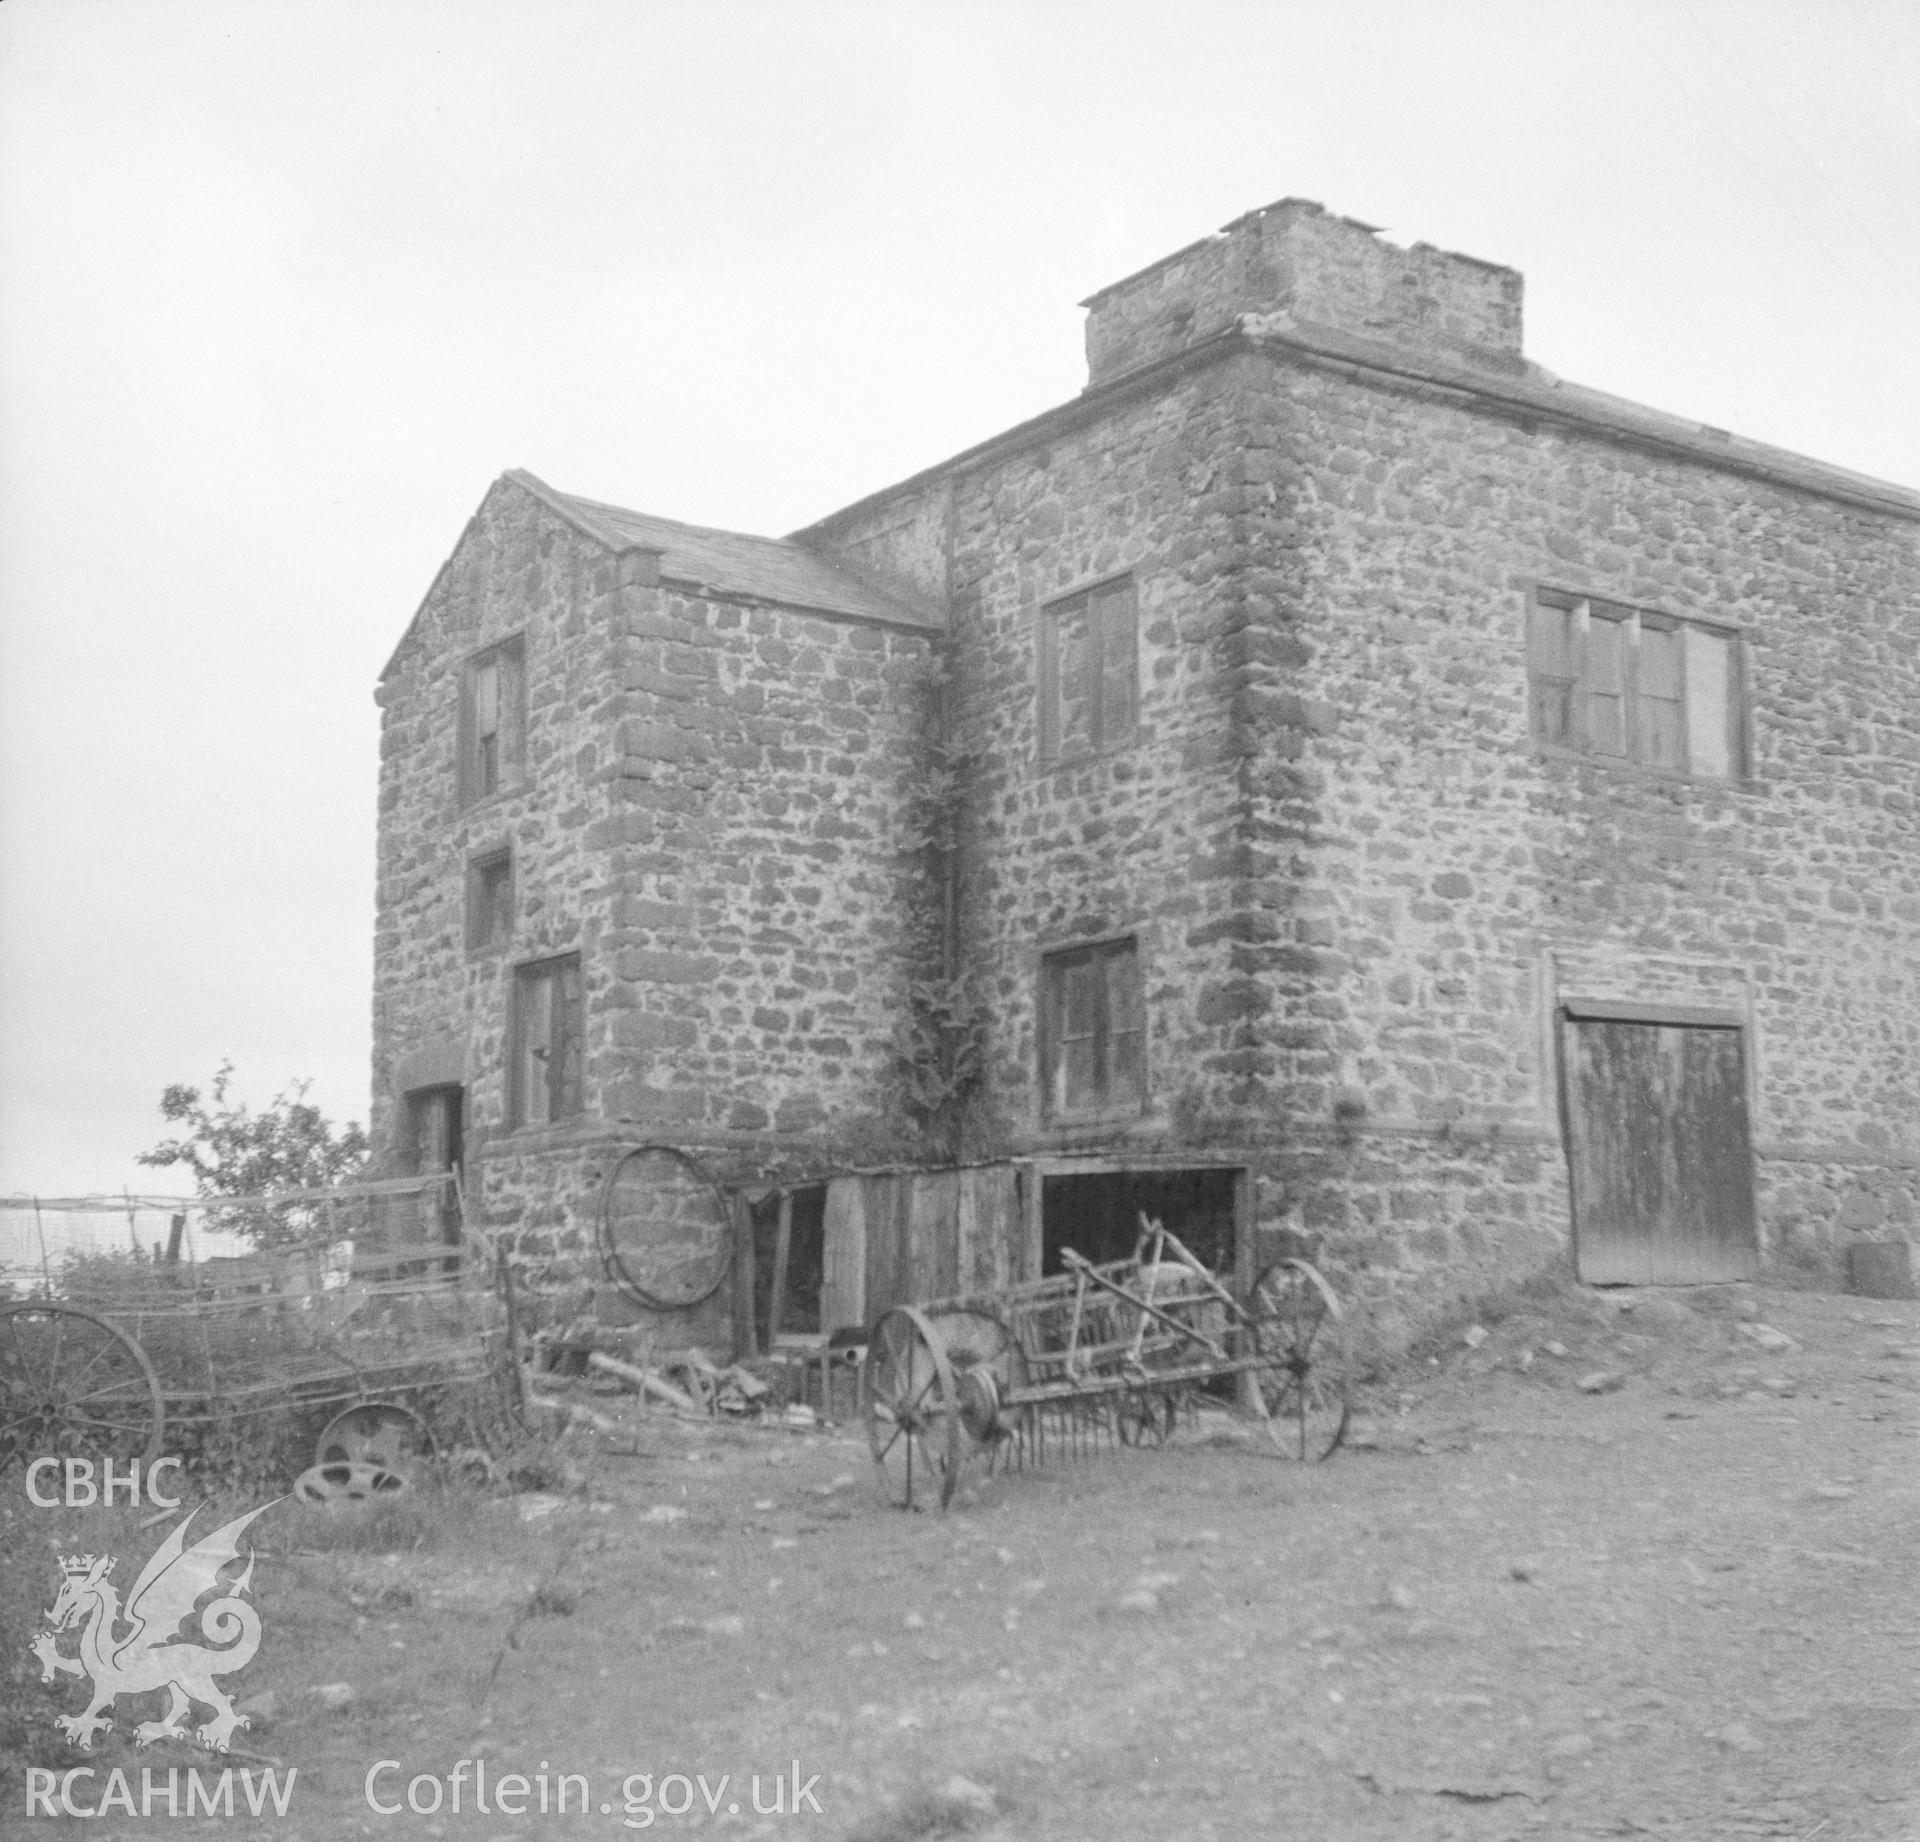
x: 939, y: 1042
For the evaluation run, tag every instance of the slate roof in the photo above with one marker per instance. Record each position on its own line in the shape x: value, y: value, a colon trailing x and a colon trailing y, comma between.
x: 732, y: 563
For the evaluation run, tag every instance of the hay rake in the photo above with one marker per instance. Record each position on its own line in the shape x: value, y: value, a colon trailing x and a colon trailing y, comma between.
x: 1094, y: 1356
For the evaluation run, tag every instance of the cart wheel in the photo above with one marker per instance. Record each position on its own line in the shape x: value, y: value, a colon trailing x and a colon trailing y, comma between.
x: 1145, y: 1417
x: 380, y: 1433
x: 358, y: 1482
x: 988, y: 1367
x: 1299, y: 1328
x: 913, y: 1411
x: 72, y: 1385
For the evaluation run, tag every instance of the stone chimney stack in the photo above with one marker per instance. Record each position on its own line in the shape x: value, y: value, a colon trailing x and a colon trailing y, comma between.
x: 1294, y: 266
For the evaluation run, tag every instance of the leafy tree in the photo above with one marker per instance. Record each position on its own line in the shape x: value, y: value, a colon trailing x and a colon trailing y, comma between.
x: 290, y: 1145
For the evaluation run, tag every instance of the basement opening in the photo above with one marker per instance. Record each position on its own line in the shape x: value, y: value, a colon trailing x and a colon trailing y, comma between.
x: 1097, y: 1213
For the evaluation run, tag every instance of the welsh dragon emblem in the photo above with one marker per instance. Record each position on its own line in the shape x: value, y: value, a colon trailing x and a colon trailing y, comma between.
x: 151, y: 1655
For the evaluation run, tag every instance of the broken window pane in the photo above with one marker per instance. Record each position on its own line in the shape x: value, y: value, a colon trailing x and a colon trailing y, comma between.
x: 1709, y: 680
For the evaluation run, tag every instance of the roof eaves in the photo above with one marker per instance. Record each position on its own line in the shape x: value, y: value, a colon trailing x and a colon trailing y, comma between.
x: 1538, y: 395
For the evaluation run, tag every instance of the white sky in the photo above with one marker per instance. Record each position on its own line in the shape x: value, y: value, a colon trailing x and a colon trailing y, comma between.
x: 284, y: 285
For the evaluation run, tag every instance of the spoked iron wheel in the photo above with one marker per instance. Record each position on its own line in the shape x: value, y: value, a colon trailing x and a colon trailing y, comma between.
x: 74, y: 1386
x: 1299, y: 1328
x: 913, y: 1412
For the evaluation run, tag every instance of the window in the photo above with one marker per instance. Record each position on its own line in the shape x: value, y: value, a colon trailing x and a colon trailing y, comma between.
x: 493, y: 721
x: 544, y: 1073
x: 1622, y: 684
x: 490, y: 900
x: 1093, y: 1030
x: 1088, y: 645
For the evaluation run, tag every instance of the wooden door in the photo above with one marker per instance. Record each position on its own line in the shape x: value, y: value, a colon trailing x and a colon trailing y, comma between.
x: 1661, y: 1159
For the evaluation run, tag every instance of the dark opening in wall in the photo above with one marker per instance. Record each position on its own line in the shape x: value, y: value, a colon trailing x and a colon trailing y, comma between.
x: 789, y: 1261
x: 1098, y: 1213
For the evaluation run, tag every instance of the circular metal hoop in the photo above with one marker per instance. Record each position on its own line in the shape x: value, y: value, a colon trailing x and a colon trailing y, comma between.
x: 664, y: 1231
x: 74, y: 1385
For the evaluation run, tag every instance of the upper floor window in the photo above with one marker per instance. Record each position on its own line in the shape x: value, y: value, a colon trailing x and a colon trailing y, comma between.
x: 1093, y: 1031
x: 490, y: 900
x: 1088, y: 676
x: 545, y: 1048
x: 493, y: 720
x: 1623, y: 684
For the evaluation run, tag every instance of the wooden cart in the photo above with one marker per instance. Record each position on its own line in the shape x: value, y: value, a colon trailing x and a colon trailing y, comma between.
x: 1099, y: 1351
x: 362, y: 1314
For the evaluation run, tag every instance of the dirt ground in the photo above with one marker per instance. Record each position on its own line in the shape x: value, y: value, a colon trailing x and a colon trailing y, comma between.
x: 1630, y: 1564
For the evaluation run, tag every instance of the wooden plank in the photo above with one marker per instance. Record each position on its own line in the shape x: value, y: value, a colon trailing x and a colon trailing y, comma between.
x: 1715, y: 1235
x: 1637, y: 1010
x: 782, y: 1245
x: 933, y: 1234
x: 885, y: 1211
x: 746, y: 1341
x: 991, y: 1228
x: 843, y: 1294
x: 1660, y: 1154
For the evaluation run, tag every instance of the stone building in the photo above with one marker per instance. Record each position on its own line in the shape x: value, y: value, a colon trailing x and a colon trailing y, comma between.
x: 1331, y: 777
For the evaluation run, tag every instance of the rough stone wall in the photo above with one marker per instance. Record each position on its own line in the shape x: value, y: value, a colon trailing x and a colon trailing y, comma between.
x: 519, y: 569
x: 710, y: 817
x: 1458, y: 879
x: 1144, y: 839
x: 760, y: 928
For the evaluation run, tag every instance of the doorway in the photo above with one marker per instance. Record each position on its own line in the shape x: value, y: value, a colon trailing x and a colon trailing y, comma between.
x: 436, y: 1130
x: 789, y: 1262
x: 1659, y: 1151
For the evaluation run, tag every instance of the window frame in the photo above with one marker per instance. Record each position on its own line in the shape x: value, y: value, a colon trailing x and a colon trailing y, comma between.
x: 564, y: 974
x: 508, y: 657
x: 481, y: 935
x: 1054, y: 964
x: 1575, y: 685
x: 1097, y: 601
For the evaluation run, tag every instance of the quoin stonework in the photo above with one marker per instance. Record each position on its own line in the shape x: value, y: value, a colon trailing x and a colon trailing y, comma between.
x: 1331, y: 780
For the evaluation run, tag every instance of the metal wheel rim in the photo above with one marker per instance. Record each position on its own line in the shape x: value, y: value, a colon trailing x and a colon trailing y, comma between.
x: 913, y: 1411
x: 118, y: 1411
x: 707, y: 1282
x: 378, y: 1433
x: 1298, y: 1321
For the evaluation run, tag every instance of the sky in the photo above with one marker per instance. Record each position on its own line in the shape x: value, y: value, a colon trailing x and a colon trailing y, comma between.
x: 285, y: 286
